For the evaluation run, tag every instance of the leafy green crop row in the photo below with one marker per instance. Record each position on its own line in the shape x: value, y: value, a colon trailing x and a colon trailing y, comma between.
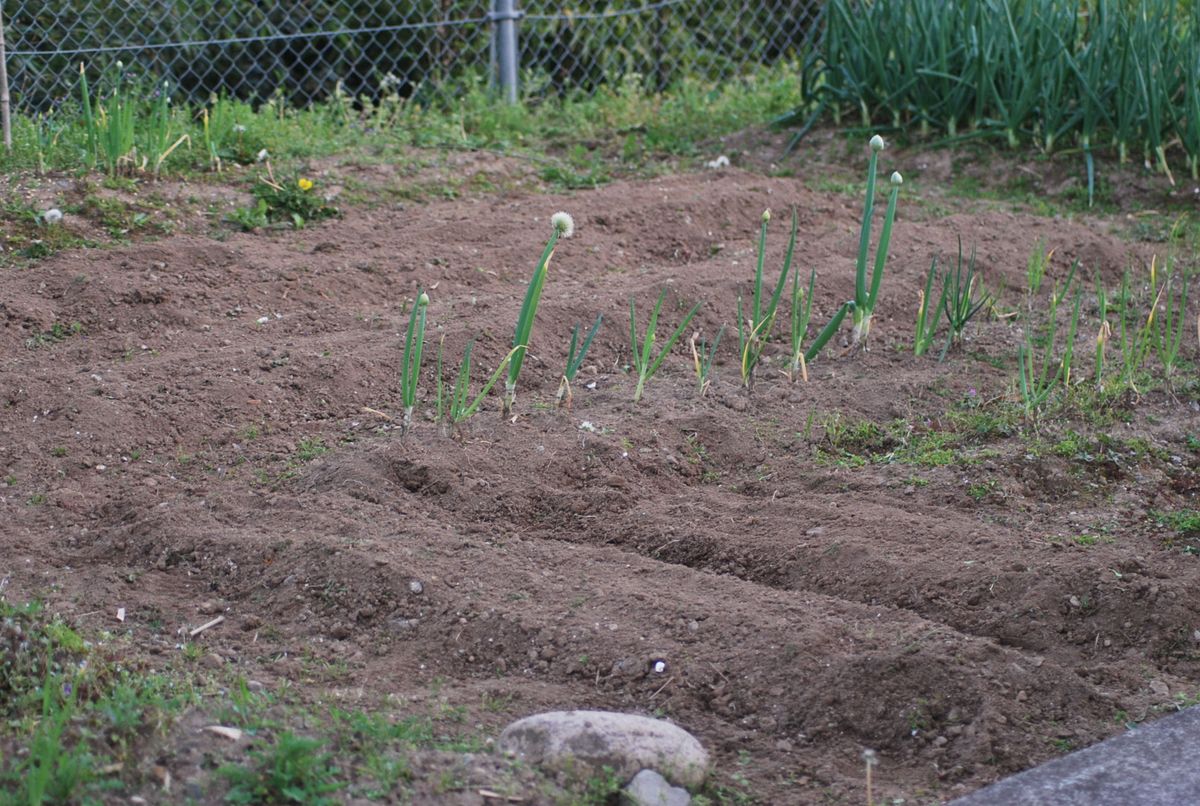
x: 1119, y: 72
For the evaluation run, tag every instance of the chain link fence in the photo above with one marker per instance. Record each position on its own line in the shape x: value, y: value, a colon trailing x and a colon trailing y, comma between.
x: 306, y: 49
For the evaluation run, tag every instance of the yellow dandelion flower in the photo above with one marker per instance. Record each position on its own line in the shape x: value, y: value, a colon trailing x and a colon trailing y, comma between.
x: 304, y: 184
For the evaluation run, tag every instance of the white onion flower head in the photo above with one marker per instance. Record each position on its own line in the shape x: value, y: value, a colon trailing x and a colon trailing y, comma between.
x: 877, y: 143
x: 52, y: 216
x: 563, y: 224
x: 897, y: 179
x: 423, y: 300
x: 766, y: 216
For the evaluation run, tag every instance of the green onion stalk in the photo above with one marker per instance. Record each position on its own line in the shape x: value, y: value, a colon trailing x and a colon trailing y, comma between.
x: 563, y: 226
x: 865, y: 296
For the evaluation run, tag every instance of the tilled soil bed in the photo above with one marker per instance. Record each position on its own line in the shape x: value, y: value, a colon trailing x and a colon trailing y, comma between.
x: 881, y: 558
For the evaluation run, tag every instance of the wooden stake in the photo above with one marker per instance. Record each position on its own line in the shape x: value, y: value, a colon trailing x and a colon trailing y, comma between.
x: 203, y: 627
x: 5, y: 111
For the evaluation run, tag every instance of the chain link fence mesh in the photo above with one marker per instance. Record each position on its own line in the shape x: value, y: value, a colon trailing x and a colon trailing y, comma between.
x: 306, y: 49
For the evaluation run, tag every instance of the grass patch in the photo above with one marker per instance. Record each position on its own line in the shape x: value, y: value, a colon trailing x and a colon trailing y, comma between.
x: 291, y: 769
x: 58, y: 332
x: 620, y: 127
x: 1183, y: 522
x: 949, y: 441
x: 73, y: 714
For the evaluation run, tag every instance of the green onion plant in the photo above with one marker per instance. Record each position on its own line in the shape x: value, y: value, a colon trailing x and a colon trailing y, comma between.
x: 959, y: 300
x: 927, y: 327
x: 801, y: 314
x: 114, y: 124
x: 89, y: 118
x: 47, y: 131
x: 702, y: 360
x: 1103, y: 331
x: 1168, y: 329
x: 1135, y: 342
x: 460, y: 406
x: 866, y: 295
x: 1035, y: 270
x: 575, y: 358
x: 1189, y: 122
x: 755, y: 325
x: 158, y: 143
x: 866, y: 289
x: 414, y: 344
x: 1039, y: 378
x: 645, y: 360
x: 219, y: 124
x: 562, y: 226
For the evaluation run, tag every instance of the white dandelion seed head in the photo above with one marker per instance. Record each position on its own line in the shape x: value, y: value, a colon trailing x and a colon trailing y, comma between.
x: 877, y: 143
x: 563, y: 224
x: 238, y: 128
x: 52, y: 216
x: 262, y: 155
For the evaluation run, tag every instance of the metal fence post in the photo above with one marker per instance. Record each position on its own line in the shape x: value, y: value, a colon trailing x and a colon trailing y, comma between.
x: 504, y: 37
x: 5, y: 104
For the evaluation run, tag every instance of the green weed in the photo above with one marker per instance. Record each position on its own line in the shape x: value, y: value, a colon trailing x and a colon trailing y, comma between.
x: 292, y: 769
x: 292, y: 202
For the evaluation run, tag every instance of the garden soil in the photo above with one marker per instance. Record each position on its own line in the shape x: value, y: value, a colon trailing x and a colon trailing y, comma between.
x: 218, y: 437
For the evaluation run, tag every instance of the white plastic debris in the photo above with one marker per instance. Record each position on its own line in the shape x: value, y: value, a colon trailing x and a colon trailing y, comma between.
x: 720, y: 162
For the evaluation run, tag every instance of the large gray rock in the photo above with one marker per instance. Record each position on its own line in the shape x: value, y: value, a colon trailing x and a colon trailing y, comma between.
x: 584, y: 742
x: 648, y: 788
x: 1150, y: 766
